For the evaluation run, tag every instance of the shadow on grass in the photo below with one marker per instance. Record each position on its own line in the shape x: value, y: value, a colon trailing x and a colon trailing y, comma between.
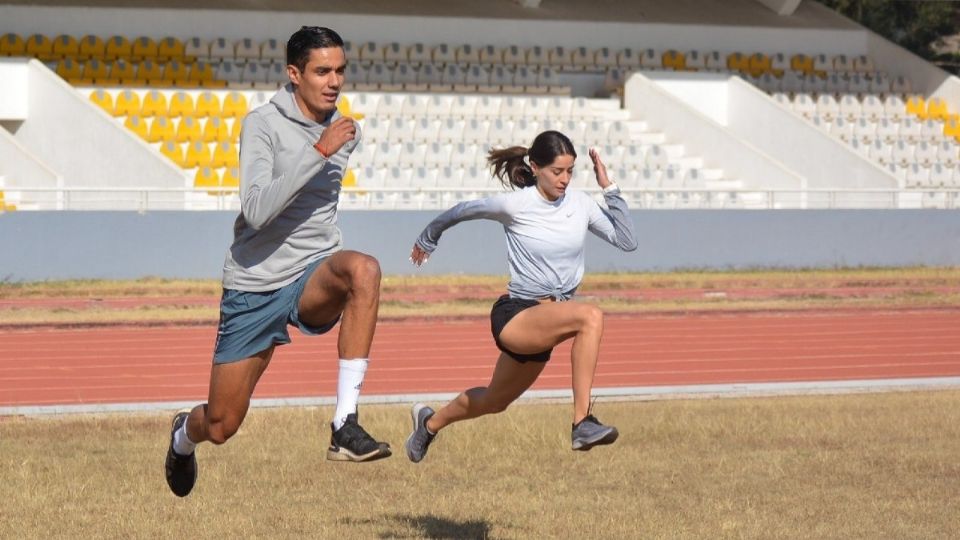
x: 429, y: 526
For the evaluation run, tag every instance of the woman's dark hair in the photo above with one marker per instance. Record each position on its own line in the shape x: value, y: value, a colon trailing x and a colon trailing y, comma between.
x: 508, y: 165
x: 308, y: 38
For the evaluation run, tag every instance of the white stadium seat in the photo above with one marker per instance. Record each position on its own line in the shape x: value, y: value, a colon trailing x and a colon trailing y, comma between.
x: 463, y: 106
x: 426, y: 129
x: 375, y: 129
x: 451, y: 130
x: 419, y: 54
x: 467, y: 55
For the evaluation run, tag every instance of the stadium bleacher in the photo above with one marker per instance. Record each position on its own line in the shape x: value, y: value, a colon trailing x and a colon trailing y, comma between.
x: 430, y: 110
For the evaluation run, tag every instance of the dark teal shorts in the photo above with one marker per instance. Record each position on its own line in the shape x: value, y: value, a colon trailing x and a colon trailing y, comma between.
x: 252, y: 322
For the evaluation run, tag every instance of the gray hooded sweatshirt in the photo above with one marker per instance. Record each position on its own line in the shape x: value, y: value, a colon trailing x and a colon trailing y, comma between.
x: 288, y: 197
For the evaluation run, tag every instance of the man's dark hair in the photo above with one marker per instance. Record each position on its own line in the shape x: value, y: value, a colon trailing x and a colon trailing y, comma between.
x: 308, y: 38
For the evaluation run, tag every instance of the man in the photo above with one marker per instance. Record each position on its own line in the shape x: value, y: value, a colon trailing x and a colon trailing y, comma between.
x: 286, y: 265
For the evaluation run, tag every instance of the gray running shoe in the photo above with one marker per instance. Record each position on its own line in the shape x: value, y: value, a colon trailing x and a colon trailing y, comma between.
x: 418, y: 441
x: 590, y: 432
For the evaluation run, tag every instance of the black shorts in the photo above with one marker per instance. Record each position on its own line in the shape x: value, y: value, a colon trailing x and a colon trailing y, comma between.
x: 504, y: 309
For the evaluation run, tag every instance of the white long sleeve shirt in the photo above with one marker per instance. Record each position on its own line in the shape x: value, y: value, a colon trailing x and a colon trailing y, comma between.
x: 544, y: 238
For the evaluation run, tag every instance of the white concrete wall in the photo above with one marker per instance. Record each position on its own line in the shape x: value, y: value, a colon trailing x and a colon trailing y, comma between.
x: 260, y: 25
x: 927, y: 79
x: 21, y: 169
x: 823, y: 159
x: 705, y: 92
x: 72, y: 135
x: 13, y: 89
x: 702, y: 134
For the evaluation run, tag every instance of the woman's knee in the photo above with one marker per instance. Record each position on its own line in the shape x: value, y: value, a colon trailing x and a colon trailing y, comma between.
x: 591, y: 317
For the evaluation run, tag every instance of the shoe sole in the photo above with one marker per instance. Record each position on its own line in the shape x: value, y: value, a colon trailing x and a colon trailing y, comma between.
x: 607, y: 438
x: 342, y: 454
x: 414, y: 415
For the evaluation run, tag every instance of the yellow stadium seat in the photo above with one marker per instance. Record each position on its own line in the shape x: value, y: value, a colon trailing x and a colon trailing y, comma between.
x: 801, y: 62
x: 12, y: 45
x: 162, y: 130
x: 172, y: 150
x: 66, y: 47
x: 4, y: 205
x: 917, y: 106
x: 40, y: 46
x: 118, y: 47
x: 103, y: 99
x: 225, y: 155
x: 201, y: 72
x: 97, y: 71
x: 674, y: 60
x: 343, y: 105
x: 92, y: 47
x: 208, y: 104
x: 207, y: 178
x: 951, y: 127
x: 738, y: 62
x: 215, y: 130
x: 144, y: 48
x: 189, y: 130
x: 124, y: 72
x: 154, y: 103
x: 181, y: 104
x: 198, y: 155
x: 127, y: 103
x: 759, y: 64
x: 231, y: 177
x: 70, y: 70
x: 937, y: 109
x: 214, y: 83
x: 349, y: 179
x: 149, y: 71
x: 175, y: 72
x: 235, y: 105
x: 235, y: 130
x: 170, y: 48
x: 137, y: 125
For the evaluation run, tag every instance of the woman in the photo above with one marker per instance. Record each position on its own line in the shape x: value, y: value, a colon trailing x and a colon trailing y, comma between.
x: 545, y: 227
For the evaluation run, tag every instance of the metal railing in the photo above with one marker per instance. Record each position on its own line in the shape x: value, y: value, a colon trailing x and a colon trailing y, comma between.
x: 144, y: 199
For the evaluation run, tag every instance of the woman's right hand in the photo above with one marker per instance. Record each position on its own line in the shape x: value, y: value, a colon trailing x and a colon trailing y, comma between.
x: 418, y: 256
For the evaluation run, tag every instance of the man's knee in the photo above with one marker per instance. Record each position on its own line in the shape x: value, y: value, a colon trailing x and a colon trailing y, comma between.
x: 219, y: 430
x: 364, y: 271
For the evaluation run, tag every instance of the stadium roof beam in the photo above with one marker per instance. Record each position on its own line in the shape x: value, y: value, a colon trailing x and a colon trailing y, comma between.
x: 781, y: 7
x: 528, y: 3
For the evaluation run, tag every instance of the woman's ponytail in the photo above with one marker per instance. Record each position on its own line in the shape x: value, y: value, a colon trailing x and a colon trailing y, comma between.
x: 509, y: 166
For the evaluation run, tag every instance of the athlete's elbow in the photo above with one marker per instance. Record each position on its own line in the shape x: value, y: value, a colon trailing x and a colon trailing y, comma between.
x: 255, y: 220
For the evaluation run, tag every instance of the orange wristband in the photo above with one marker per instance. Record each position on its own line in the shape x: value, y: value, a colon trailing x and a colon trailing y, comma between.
x: 316, y: 146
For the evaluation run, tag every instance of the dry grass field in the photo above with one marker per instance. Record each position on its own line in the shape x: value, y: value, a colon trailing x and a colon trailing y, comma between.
x: 847, y: 466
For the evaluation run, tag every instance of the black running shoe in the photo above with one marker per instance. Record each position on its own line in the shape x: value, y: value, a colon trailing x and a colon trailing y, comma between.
x: 589, y: 432
x: 352, y: 443
x: 181, y: 470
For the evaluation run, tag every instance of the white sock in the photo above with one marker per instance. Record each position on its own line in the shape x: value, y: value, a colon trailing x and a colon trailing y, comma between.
x: 181, y: 441
x: 348, y: 389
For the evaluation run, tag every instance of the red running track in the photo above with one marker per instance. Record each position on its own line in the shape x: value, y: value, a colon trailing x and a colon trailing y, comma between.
x: 136, y: 365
